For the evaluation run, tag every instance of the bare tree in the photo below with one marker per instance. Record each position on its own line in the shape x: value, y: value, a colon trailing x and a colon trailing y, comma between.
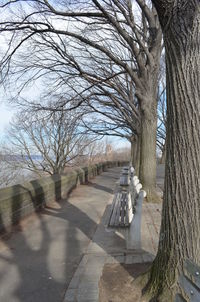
x: 102, y: 150
x: 95, y: 153
x: 6, y: 175
x: 122, y: 154
x: 117, y: 111
x: 96, y: 24
x: 180, y: 227
x: 47, y: 144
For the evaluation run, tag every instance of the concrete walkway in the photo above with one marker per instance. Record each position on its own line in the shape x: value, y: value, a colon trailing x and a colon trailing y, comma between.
x: 38, y: 260
x: 110, y: 246
x: 58, y: 255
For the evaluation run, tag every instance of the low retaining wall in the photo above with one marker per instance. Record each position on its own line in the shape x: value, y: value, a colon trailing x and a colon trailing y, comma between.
x: 19, y: 201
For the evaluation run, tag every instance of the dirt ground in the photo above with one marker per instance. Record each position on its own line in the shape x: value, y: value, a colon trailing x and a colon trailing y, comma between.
x: 117, y: 282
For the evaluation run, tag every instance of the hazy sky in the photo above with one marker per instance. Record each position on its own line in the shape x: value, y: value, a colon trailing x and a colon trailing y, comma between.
x: 6, y: 111
x: 6, y: 114
x: 5, y: 117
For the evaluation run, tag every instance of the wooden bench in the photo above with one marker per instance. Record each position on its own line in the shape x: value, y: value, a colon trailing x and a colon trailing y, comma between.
x: 124, y: 180
x: 121, y: 214
x: 125, y: 199
x: 190, y: 283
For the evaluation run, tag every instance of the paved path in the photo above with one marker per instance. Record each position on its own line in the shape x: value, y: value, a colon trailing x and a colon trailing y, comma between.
x: 59, y: 253
x: 110, y: 246
x: 38, y: 261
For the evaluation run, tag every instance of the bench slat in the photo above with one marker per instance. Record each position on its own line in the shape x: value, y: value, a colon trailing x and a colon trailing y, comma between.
x: 127, y: 222
x: 123, y: 209
x: 118, y: 211
x: 194, y: 272
x: 189, y: 288
x: 113, y: 204
x: 113, y: 209
x: 116, y: 203
x: 127, y: 219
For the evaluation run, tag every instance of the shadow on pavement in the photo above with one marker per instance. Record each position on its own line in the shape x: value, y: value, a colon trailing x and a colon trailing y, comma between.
x: 37, y: 262
x: 99, y: 187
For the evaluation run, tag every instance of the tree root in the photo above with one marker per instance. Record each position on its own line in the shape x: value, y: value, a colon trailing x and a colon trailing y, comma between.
x: 152, y: 292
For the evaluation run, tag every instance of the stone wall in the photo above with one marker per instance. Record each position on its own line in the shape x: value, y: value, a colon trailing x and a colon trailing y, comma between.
x: 21, y: 200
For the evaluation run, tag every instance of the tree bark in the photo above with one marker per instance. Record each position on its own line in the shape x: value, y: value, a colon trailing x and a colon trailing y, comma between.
x: 147, y: 96
x: 133, y: 147
x: 137, y: 156
x: 135, y: 153
x: 147, y: 170
x: 163, y: 157
x: 180, y: 227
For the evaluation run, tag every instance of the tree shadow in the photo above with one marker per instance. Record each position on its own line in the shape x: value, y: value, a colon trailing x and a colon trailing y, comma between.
x: 99, y: 187
x: 29, y: 252
x: 57, y: 186
x: 39, y: 261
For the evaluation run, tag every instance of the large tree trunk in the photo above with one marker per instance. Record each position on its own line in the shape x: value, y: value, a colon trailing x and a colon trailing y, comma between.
x: 147, y: 96
x: 180, y: 227
x: 148, y: 151
x: 147, y: 170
